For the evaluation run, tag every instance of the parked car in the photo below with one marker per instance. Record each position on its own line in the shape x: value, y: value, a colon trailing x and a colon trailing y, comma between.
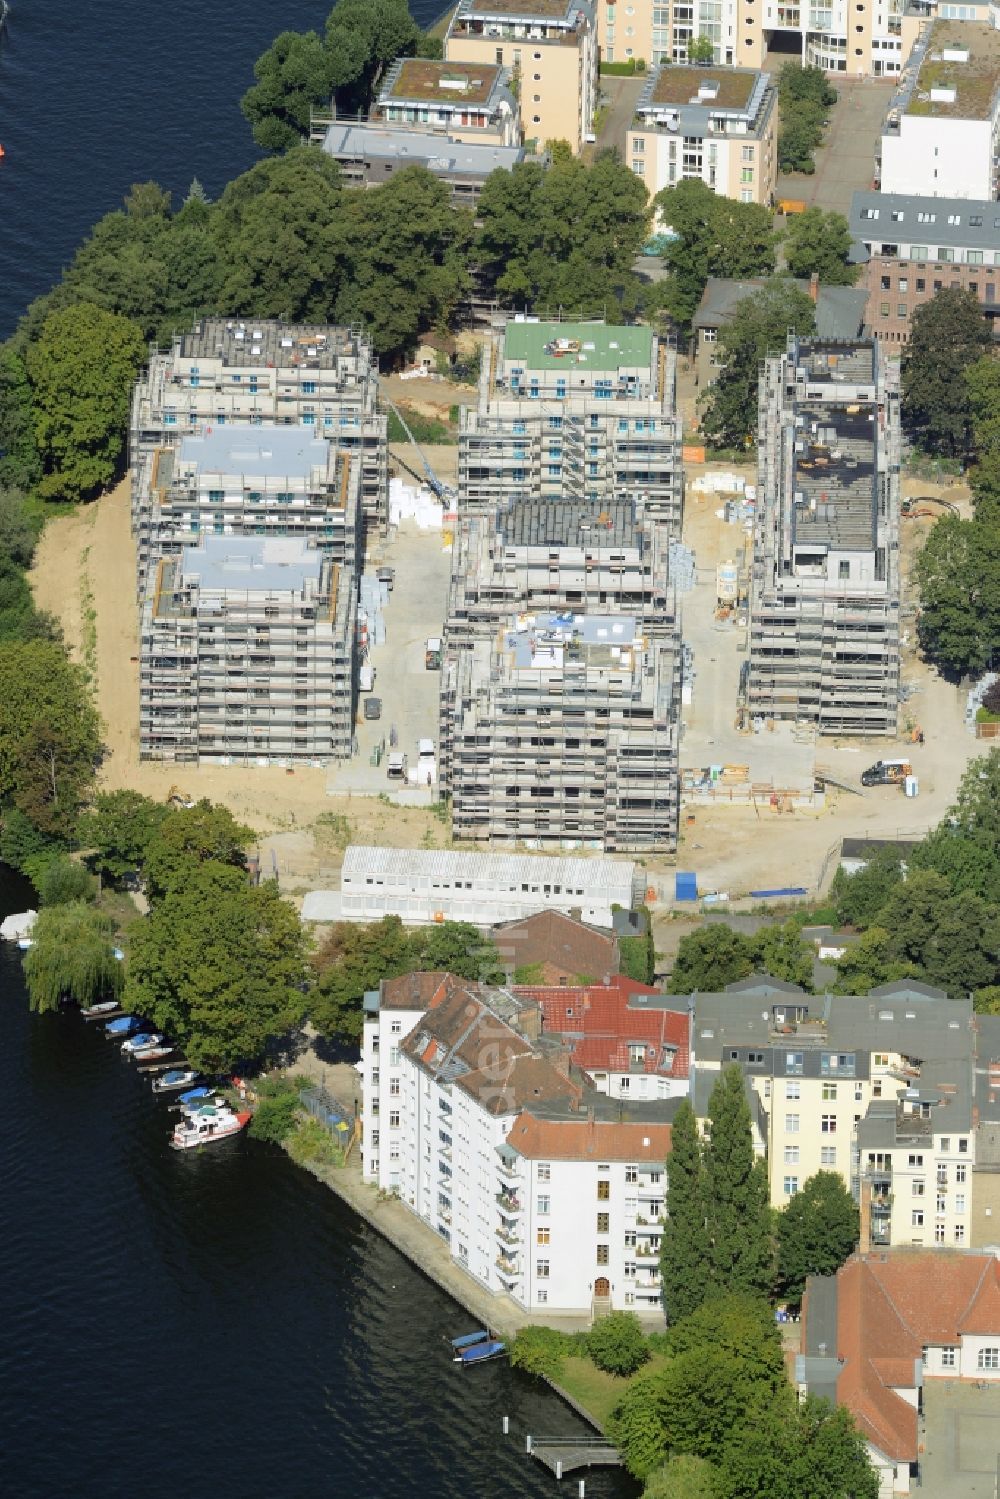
x: 373, y: 707
x: 886, y: 773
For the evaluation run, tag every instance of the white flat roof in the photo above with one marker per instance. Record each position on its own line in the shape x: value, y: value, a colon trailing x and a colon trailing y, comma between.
x: 445, y: 865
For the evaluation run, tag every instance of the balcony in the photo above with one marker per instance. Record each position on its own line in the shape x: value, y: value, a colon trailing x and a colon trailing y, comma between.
x: 508, y: 1236
x: 507, y: 1269
x: 509, y: 1171
x: 647, y: 1252
x: 882, y: 1205
x: 508, y: 1203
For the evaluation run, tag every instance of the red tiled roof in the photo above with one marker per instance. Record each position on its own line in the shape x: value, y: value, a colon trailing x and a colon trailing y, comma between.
x: 588, y: 1140
x: 552, y: 938
x: 598, y: 1023
x: 415, y: 991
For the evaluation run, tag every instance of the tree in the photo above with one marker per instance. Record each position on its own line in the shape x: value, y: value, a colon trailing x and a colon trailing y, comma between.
x: 952, y: 940
x: 817, y: 1230
x: 49, y: 734
x: 81, y: 368
x: 118, y: 829
x: 820, y: 243
x: 218, y: 965
x: 20, y: 465
x: 18, y: 535
x: 757, y: 327
x: 811, y: 1449
x: 869, y: 963
x: 682, y: 1478
x: 709, y: 959
x: 739, y: 1226
x: 778, y: 949
x: 63, y: 881
x: 353, y: 960
x: 958, y: 577
x: 804, y: 94
x: 684, y: 1248
x: 617, y: 1345
x: 455, y: 947
x: 187, y: 837
x: 71, y: 957
x: 859, y: 897
x: 714, y: 237
x: 982, y: 380
x: 637, y: 1427
x: 740, y: 1326
x: 987, y: 1001
x: 294, y: 77
x: 700, y: 49
x: 965, y: 846
x: 947, y: 336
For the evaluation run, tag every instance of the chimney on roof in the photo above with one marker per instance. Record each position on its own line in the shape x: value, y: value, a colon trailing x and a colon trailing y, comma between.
x: 814, y: 286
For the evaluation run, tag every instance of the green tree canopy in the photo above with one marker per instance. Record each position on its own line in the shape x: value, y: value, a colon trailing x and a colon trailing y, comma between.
x: 809, y: 1449
x: 71, y: 957
x: 958, y: 577
x: 63, y: 881
x: 81, y: 368
x: 49, y: 734
x: 965, y: 846
x: 869, y: 962
x: 294, y: 78
x: 218, y: 965
x: 118, y: 829
x: 739, y: 1325
x: 189, y: 836
x: 859, y: 897
x: 617, y: 1344
x: 18, y: 534
x: 714, y: 237
x: 740, y: 1252
x: 709, y: 959
x: 20, y: 463
x: 682, y: 1477
x: 684, y: 1243
x: 947, y: 335
x: 951, y: 940
x: 817, y: 1230
x: 758, y: 326
x: 818, y: 243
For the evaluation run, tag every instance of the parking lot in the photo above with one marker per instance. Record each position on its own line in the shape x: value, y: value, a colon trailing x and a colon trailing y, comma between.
x: 845, y: 162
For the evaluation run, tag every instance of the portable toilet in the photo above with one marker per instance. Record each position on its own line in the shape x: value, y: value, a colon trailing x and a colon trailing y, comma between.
x: 911, y: 786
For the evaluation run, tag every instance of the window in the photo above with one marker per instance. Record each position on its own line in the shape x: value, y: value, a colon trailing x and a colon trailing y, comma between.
x: 959, y: 1233
x: 918, y: 1188
x: 791, y: 1124
x: 915, y: 1160
x: 396, y: 1028
x: 829, y: 1091
x: 543, y: 1297
x: 543, y: 1236
x: 948, y: 1360
x: 960, y: 1202
x: 963, y: 1149
x: 939, y: 1233
x: 946, y: 1145
x: 974, y: 257
x: 748, y: 153
x: 828, y: 1155
x: 746, y: 174
x: 791, y: 1185
x: 638, y: 145
x: 603, y: 1223
x: 603, y: 1191
x: 960, y: 1172
x: 394, y: 1119
x: 603, y: 1254
x: 917, y: 1218
x: 542, y: 1269
x: 542, y: 1206
x: 631, y: 1173
x: 791, y: 1155
x: 638, y: 167
x: 793, y: 1061
x: 793, y: 1090
x: 394, y: 1087
x: 828, y: 1124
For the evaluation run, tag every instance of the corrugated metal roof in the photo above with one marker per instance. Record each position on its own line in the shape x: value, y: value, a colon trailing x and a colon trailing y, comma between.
x: 362, y: 860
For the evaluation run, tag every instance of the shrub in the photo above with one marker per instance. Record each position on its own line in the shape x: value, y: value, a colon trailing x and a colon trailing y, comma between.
x: 540, y: 1350
x: 616, y: 1344
x: 275, y: 1117
x: 311, y: 1144
x: 62, y: 881
x: 991, y: 698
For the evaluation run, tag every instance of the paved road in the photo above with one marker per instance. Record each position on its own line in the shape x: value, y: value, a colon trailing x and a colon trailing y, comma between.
x: 846, y: 160
x: 619, y: 96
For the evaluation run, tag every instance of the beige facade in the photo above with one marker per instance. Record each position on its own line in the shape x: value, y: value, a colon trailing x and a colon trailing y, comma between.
x: 715, y: 125
x: 467, y: 103
x: 549, y: 47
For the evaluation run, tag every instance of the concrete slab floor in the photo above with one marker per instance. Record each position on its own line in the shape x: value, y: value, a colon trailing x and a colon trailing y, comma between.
x: 961, y: 1438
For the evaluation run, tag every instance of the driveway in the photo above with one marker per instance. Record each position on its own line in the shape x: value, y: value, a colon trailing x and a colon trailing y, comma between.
x: 619, y: 97
x: 846, y: 160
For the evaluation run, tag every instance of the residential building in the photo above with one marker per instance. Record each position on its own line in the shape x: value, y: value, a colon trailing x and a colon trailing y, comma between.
x: 878, y: 1088
x: 840, y: 314
x: 549, y: 47
x: 911, y: 248
x: 268, y: 481
x: 582, y: 411
x: 984, y: 1228
x: 229, y: 372
x: 369, y: 153
x: 627, y: 1040
x: 247, y: 654
x: 870, y: 38
x: 941, y: 134
x: 825, y: 584
x: 909, y: 1344
x: 557, y: 555
x: 565, y: 728
x: 426, y: 885
x: 543, y: 1190
x: 716, y: 125
x: 468, y: 102
x: 553, y: 948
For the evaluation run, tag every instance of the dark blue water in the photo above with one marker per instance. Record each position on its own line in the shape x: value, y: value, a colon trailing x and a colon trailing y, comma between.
x: 216, y: 1324
x: 94, y: 97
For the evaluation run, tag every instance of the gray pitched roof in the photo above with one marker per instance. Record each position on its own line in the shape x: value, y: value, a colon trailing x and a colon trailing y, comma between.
x: 977, y: 227
x: 840, y: 310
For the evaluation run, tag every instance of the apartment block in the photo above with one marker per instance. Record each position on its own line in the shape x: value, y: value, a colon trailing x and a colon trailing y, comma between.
x: 549, y: 47
x: 231, y: 481
x: 468, y: 102
x: 824, y: 600
x: 533, y: 556
x: 878, y: 1088
x: 941, y: 135
x: 247, y: 654
x: 563, y: 729
x: 866, y: 38
x: 911, y: 248
x: 716, y: 125
x: 368, y: 154
x: 247, y: 373
x: 543, y: 1190
x: 582, y: 411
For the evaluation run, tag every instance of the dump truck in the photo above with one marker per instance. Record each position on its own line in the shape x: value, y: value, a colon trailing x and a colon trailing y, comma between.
x: 396, y: 767
x: 886, y: 773
x: 432, y: 653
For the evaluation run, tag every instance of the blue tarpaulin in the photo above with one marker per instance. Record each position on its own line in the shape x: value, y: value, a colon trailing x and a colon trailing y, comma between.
x: 685, y: 886
x: 785, y: 890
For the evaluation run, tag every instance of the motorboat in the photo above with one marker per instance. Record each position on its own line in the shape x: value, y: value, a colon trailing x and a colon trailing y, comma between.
x: 141, y: 1041
x: 480, y: 1352
x: 157, y: 1053
x: 174, y: 1080
x: 107, y: 1007
x: 125, y: 1025
x: 207, y: 1126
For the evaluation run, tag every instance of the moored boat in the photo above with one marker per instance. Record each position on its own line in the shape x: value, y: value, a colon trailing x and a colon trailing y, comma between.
x: 141, y: 1041
x: 207, y: 1126
x: 148, y: 1054
x: 126, y: 1025
x: 480, y: 1352
x: 108, y: 1009
x: 174, y: 1080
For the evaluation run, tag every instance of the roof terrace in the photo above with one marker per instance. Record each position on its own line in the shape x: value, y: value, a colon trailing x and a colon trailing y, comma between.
x: 441, y: 82
x: 957, y: 75
x: 594, y: 346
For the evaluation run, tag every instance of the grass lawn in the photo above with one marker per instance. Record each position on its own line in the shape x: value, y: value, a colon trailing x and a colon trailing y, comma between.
x: 598, y: 1392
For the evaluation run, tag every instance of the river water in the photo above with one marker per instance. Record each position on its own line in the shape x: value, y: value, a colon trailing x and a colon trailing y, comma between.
x: 216, y: 1322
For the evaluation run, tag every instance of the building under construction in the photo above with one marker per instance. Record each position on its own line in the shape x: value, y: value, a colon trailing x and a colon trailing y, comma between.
x: 562, y: 728
x: 581, y: 411
x: 236, y: 481
x: 824, y: 601
x: 247, y: 654
x: 557, y: 555
x: 227, y: 373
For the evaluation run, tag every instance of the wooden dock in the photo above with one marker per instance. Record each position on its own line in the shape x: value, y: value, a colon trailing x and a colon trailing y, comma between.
x: 566, y: 1454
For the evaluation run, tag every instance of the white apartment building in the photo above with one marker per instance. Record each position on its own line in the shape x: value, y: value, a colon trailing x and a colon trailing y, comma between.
x: 474, y: 1121
x: 941, y: 135
x: 876, y: 1088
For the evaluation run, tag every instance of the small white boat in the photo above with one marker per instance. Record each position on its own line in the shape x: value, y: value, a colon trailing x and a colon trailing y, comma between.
x: 174, y: 1080
x: 141, y: 1042
x: 106, y: 1007
x: 17, y: 926
x: 157, y: 1053
x: 207, y: 1126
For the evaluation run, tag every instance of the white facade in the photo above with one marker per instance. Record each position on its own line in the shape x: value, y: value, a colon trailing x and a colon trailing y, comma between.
x: 422, y: 886
x: 934, y: 158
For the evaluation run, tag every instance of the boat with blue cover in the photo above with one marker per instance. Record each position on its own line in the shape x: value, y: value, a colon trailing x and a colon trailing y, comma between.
x: 124, y: 1026
x: 469, y: 1338
x: 174, y: 1080
x: 196, y: 1095
x: 141, y: 1041
x: 480, y: 1352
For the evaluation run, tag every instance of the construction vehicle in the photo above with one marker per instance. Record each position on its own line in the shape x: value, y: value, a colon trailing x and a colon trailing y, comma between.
x: 886, y: 773
x: 432, y: 653
x: 788, y: 206
x: 441, y: 490
x: 917, y: 506
x: 396, y: 767
x: 178, y: 798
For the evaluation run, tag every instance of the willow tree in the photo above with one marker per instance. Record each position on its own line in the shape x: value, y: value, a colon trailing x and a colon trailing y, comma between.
x: 72, y: 957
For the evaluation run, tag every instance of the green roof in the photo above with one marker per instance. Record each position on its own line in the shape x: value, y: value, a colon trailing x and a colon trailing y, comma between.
x: 601, y: 347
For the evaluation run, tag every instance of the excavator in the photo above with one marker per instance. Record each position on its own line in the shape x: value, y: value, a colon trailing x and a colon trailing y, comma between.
x: 917, y: 506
